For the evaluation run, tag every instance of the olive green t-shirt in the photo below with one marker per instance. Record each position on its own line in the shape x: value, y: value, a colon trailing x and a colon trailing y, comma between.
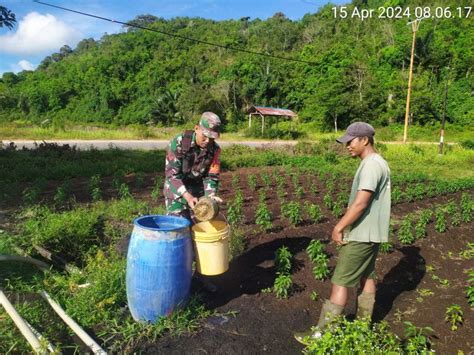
x: 373, y: 174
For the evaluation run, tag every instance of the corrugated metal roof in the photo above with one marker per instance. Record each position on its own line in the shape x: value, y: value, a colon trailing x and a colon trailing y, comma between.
x: 272, y: 111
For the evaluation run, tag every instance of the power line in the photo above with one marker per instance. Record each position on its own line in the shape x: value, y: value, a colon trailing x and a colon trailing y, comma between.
x: 176, y: 35
x: 394, y: 70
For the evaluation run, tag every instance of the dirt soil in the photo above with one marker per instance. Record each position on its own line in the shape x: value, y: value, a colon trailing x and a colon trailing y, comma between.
x: 251, y: 321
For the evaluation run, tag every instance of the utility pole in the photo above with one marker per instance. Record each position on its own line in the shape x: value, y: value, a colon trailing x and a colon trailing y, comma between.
x: 443, y: 119
x: 414, y: 25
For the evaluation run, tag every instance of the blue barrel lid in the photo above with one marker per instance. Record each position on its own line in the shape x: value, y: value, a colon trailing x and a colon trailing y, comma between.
x: 162, y: 223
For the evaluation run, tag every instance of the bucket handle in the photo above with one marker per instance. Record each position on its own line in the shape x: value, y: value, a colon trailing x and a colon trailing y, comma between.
x: 228, y: 224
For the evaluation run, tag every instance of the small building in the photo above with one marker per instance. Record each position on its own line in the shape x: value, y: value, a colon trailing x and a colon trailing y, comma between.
x: 269, y: 111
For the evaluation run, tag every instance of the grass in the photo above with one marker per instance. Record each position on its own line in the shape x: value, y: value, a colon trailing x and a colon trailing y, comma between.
x: 71, y: 131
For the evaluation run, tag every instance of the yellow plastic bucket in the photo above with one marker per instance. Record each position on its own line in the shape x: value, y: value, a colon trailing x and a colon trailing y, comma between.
x: 211, y: 246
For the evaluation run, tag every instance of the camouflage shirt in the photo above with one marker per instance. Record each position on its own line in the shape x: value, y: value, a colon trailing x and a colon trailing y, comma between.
x: 203, y: 177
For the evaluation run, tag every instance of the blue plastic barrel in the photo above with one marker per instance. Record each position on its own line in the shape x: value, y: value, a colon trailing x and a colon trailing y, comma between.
x: 159, y: 266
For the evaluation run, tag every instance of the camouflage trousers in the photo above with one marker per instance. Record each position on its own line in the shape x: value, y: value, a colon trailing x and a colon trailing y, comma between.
x: 179, y: 207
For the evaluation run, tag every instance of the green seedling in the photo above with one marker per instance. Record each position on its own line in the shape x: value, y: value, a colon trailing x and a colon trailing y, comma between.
x: 314, y: 212
x: 454, y: 316
x: 252, y: 182
x: 405, y: 234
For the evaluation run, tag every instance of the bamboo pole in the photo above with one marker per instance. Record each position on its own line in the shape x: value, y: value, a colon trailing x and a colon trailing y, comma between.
x: 414, y: 25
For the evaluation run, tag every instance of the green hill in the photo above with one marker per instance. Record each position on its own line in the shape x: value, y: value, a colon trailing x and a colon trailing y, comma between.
x: 353, y: 69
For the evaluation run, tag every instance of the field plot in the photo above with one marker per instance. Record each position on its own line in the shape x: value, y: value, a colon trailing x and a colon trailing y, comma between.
x: 282, y: 206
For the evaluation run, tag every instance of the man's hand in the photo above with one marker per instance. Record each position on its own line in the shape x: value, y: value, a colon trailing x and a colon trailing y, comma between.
x: 337, y: 236
x: 216, y: 198
x: 190, y: 199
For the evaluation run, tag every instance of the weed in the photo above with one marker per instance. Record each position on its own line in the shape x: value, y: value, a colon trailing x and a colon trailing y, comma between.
x: 314, y: 189
x: 443, y: 282
x: 467, y: 253
x: 94, y: 188
x: 124, y: 191
x: 386, y: 247
x: 314, y: 296
x: 31, y: 195
x: 454, y: 316
x: 62, y: 192
x: 357, y: 337
x: 139, y: 180
x: 157, y: 187
x: 418, y: 341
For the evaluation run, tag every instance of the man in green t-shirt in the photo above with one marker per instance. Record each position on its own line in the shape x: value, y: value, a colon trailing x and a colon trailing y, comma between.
x: 360, y: 231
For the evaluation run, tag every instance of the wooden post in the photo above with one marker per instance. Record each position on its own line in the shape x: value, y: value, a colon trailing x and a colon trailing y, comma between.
x: 335, y: 122
x: 414, y: 25
x: 263, y: 122
x: 443, y: 119
x: 250, y: 120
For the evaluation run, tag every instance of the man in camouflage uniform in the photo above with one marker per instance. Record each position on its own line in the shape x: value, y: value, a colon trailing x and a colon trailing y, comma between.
x: 192, y: 166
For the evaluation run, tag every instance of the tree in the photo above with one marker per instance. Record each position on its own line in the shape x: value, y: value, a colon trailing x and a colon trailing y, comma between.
x: 7, y: 18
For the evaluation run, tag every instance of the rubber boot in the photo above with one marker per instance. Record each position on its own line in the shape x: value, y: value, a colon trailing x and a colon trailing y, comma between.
x: 329, y: 311
x: 365, y: 305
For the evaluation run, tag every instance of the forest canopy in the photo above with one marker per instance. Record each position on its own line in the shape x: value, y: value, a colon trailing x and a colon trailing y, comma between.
x: 349, y: 69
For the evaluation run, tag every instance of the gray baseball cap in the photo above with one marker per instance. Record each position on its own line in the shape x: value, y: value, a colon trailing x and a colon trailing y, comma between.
x: 357, y: 129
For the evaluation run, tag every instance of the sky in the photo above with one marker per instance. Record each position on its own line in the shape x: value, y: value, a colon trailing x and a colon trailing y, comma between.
x: 41, y: 30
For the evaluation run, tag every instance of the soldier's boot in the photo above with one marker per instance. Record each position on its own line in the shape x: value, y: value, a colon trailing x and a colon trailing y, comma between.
x: 365, y: 305
x: 329, y: 311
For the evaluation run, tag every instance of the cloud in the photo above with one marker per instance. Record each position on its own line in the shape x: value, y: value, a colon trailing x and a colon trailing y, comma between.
x: 25, y: 65
x: 38, y: 34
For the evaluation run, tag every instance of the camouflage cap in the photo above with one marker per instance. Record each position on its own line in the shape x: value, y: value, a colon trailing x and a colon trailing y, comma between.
x: 210, y: 124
